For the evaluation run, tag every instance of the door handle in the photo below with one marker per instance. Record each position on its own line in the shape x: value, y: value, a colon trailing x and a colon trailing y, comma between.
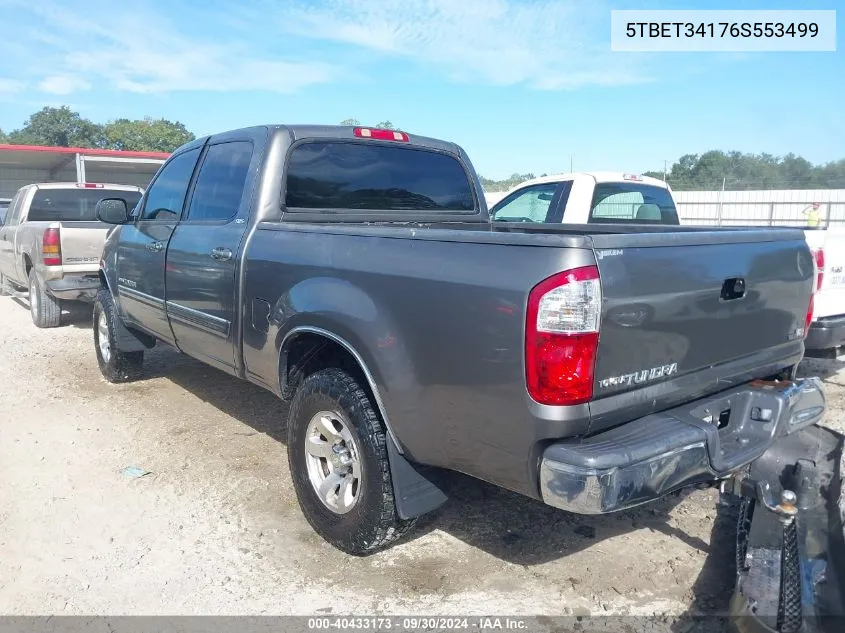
x: 221, y: 254
x: 155, y: 247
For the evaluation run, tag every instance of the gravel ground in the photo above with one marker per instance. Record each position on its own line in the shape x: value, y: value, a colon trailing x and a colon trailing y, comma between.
x: 215, y: 527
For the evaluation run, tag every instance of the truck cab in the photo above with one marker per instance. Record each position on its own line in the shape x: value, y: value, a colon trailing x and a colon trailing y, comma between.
x: 589, y: 198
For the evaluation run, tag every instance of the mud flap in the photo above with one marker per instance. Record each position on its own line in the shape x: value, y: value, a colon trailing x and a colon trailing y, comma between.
x: 414, y: 491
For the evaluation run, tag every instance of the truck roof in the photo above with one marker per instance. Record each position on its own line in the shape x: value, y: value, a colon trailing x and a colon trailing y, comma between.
x: 301, y: 131
x: 598, y: 176
x: 81, y: 185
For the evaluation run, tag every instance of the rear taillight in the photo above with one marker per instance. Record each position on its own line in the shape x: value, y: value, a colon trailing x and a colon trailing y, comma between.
x: 561, y: 337
x: 51, y: 247
x: 818, y: 265
x: 809, y: 318
x: 818, y: 255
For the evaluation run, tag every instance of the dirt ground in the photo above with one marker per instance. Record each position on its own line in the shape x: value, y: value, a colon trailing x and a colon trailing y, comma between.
x: 215, y: 527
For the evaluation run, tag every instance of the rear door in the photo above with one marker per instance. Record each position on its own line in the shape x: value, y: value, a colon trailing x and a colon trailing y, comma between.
x: 142, y: 250
x: 202, y: 259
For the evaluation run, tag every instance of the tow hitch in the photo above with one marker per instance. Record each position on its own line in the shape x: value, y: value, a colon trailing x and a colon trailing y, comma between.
x: 790, y: 548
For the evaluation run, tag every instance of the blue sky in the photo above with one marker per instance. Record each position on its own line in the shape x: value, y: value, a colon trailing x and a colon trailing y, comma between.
x: 522, y: 85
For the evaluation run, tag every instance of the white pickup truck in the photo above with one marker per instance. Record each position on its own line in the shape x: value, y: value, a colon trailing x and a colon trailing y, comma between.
x: 614, y: 197
x: 827, y: 331
x: 588, y: 198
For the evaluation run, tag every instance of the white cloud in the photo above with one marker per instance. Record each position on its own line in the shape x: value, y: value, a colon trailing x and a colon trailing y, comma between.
x: 10, y: 87
x: 138, y: 50
x: 546, y: 44
x: 63, y: 84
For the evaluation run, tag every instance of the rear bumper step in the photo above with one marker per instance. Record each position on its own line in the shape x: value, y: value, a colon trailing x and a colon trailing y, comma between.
x: 645, y: 459
x: 826, y: 333
x: 74, y: 287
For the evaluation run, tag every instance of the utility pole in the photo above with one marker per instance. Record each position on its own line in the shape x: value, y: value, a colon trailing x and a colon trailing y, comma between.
x: 570, y: 163
x: 665, y: 165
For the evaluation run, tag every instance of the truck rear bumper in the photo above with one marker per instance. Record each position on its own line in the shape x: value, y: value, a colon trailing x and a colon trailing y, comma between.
x: 74, y: 287
x: 704, y: 440
x: 826, y: 333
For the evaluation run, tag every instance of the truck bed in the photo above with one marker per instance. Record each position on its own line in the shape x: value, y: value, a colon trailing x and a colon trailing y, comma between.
x: 465, y: 287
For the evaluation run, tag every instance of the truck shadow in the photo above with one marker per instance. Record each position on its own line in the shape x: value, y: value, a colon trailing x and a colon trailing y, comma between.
x: 507, y: 525
x: 825, y: 368
x: 75, y: 314
x: 714, y: 586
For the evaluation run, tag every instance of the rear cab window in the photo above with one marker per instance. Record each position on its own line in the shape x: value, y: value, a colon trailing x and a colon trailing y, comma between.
x: 349, y: 175
x: 73, y: 205
x: 632, y: 203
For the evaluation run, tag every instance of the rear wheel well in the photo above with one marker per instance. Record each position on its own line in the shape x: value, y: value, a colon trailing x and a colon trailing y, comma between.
x: 27, y: 264
x: 309, y: 352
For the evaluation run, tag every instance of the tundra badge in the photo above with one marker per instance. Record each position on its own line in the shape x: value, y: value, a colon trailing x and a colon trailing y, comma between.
x: 640, y: 377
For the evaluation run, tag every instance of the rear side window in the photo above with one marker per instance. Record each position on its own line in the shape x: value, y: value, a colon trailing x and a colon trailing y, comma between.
x: 73, y: 205
x: 632, y: 203
x: 220, y: 183
x: 344, y: 175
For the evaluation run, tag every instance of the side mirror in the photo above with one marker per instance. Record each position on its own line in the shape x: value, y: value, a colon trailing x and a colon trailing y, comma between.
x: 113, y: 211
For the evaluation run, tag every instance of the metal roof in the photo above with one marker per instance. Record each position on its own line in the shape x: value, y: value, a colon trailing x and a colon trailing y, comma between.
x: 50, y: 158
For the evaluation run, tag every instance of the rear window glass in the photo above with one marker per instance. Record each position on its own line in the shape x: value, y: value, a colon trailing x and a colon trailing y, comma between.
x: 632, y: 203
x: 74, y: 205
x: 333, y: 175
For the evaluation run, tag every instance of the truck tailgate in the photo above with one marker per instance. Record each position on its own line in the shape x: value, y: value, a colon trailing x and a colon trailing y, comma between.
x: 678, y: 303
x: 82, y: 245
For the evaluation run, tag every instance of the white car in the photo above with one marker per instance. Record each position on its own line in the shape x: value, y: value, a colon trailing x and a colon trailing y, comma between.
x: 588, y: 197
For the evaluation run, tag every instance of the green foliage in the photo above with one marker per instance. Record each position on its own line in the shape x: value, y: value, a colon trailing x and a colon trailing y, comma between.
x: 62, y: 127
x: 59, y: 127
x: 4, y: 138
x: 385, y: 125
x: 504, y: 185
x: 146, y: 135
x: 751, y: 171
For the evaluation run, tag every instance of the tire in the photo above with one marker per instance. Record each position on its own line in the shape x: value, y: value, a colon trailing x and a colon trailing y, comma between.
x: 116, y: 366
x: 46, y: 310
x: 364, y: 517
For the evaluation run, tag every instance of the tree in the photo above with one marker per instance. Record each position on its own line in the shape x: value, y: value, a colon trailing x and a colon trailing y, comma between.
x: 58, y: 127
x: 737, y: 171
x: 146, y: 135
x: 3, y: 136
x: 385, y: 125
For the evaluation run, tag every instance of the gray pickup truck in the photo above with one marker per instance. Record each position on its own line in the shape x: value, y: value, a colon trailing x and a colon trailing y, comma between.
x: 356, y: 272
x: 50, y: 244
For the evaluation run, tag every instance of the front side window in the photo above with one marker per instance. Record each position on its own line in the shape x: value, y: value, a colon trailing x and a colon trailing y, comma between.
x: 166, y: 195
x: 348, y: 175
x: 221, y: 181
x: 528, y: 205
